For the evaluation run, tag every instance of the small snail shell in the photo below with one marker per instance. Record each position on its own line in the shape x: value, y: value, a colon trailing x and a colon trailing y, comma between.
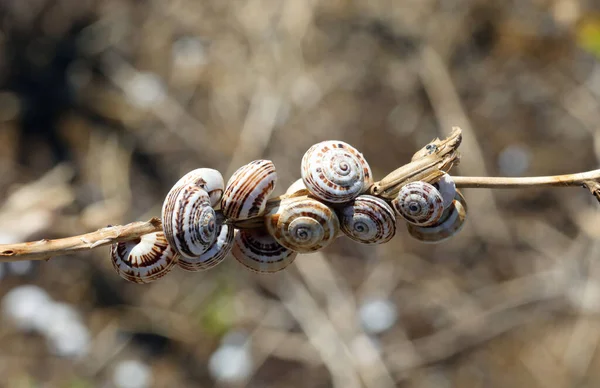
x: 335, y: 171
x: 368, y: 220
x: 214, y: 255
x: 189, y: 222
x: 447, y: 189
x: 143, y: 260
x: 303, y: 224
x: 449, y: 224
x: 295, y: 187
x: 259, y: 251
x: 248, y: 189
x: 419, y: 203
x: 207, y: 178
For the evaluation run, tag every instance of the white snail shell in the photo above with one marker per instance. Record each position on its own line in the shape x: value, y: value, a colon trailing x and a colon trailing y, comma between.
x: 214, y: 255
x: 445, y: 185
x: 143, y: 260
x: 419, y: 203
x: 335, y: 171
x: 189, y: 222
x: 295, y: 187
x: 257, y: 250
x: 368, y: 220
x: 449, y: 224
x: 303, y: 224
x: 248, y: 190
x: 209, y: 179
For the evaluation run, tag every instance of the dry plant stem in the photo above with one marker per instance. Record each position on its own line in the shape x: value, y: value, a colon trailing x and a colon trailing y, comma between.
x: 568, y: 180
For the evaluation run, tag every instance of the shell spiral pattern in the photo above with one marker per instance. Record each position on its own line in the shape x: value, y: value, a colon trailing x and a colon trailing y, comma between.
x: 258, y: 251
x: 143, y: 260
x: 207, y: 178
x: 303, y: 224
x: 335, y: 171
x: 419, y: 203
x: 248, y: 189
x: 189, y: 222
x: 448, y: 225
x: 214, y: 255
x: 368, y: 220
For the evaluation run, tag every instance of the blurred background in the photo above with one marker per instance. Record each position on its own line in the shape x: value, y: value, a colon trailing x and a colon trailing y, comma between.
x: 105, y: 104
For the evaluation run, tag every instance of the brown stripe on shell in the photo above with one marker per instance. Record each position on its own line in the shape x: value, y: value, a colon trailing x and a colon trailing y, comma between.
x: 143, y: 260
x: 449, y: 224
x: 248, y: 190
x: 368, y: 220
x: 427, y: 199
x: 209, y: 179
x: 214, y: 255
x: 258, y: 251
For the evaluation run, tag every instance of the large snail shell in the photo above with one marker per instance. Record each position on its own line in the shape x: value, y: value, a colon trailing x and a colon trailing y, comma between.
x: 259, y: 251
x: 419, y: 203
x: 303, y: 224
x: 445, y: 185
x: 143, y: 260
x: 207, y: 178
x: 449, y: 224
x: 248, y: 190
x: 335, y: 171
x: 214, y: 255
x: 189, y: 222
x: 368, y: 220
x: 295, y: 187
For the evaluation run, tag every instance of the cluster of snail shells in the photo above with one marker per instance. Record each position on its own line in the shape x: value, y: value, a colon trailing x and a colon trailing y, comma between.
x: 200, y: 211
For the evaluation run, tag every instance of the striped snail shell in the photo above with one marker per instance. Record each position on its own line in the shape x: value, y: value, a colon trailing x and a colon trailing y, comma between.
x: 419, y: 203
x: 207, y: 178
x: 445, y: 185
x: 303, y: 224
x: 335, y: 171
x: 368, y: 220
x: 295, y: 187
x: 258, y: 251
x: 189, y: 222
x: 214, y: 255
x: 145, y: 259
x: 248, y: 189
x: 448, y: 225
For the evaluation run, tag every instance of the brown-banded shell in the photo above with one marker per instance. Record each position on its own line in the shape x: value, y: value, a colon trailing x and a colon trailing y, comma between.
x: 189, y: 222
x: 257, y: 250
x: 214, y: 255
x: 303, y: 224
x: 448, y: 225
x: 368, y: 220
x: 419, y: 203
x: 335, y: 171
x: 248, y: 190
x: 143, y: 260
x: 445, y: 185
x: 207, y: 178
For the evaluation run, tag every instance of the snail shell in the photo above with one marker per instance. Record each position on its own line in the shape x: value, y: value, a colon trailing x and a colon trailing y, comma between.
x: 257, y: 250
x: 449, y: 224
x: 419, y: 203
x: 303, y: 224
x: 207, y: 178
x: 214, y: 255
x: 335, y: 171
x: 368, y: 220
x: 295, y: 187
x: 248, y: 189
x: 189, y: 222
x: 143, y: 260
x: 445, y: 185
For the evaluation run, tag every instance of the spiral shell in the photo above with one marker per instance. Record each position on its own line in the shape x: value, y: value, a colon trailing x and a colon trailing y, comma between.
x: 445, y: 185
x: 335, y: 171
x: 214, y: 255
x: 189, y: 222
x: 303, y: 224
x: 258, y: 251
x: 207, y: 178
x: 143, y: 260
x: 368, y: 220
x: 449, y: 224
x: 248, y: 190
x: 419, y: 203
x: 295, y: 187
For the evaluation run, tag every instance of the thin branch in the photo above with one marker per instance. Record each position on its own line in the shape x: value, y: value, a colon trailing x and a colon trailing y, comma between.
x: 567, y: 180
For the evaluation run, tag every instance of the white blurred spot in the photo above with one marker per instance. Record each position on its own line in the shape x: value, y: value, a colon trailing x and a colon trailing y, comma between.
x: 24, y: 305
x: 145, y: 90
x: 71, y: 340
x: 378, y: 315
x: 230, y: 364
x: 132, y: 374
x: 189, y: 52
x: 20, y: 267
x: 58, y: 316
x: 514, y: 160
